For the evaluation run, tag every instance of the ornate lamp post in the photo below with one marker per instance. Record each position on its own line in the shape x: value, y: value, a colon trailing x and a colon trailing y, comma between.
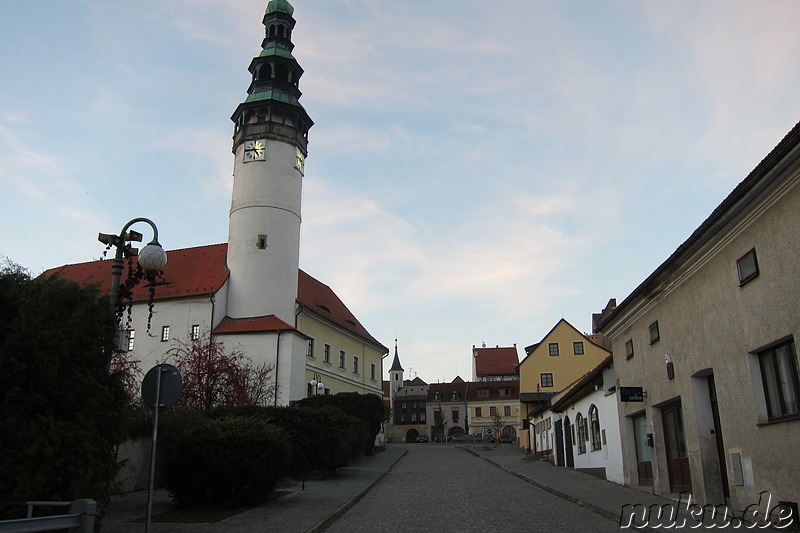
x: 152, y: 258
x: 316, y: 384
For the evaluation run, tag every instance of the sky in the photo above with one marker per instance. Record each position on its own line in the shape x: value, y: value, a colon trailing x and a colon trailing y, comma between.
x: 476, y: 172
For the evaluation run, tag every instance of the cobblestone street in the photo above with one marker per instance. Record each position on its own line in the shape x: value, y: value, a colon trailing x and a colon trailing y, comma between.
x: 444, y: 488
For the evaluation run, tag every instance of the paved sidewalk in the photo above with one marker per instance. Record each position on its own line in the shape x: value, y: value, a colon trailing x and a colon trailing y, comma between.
x: 301, y: 511
x: 629, y: 507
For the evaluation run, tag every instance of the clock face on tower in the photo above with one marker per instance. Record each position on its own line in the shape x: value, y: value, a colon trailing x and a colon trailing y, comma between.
x: 254, y: 150
x: 299, y: 162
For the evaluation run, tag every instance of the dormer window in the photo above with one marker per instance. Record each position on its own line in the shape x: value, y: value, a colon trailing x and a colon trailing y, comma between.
x: 483, y: 393
x: 437, y: 396
x: 454, y: 396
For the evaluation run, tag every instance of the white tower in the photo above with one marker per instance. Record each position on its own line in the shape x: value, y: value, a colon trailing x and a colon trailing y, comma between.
x: 269, y: 144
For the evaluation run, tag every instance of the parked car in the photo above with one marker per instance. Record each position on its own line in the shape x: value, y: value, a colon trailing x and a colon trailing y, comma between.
x: 422, y: 438
x: 506, y: 439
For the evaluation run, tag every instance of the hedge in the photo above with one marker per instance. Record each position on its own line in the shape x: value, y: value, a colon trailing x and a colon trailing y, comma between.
x: 235, y: 460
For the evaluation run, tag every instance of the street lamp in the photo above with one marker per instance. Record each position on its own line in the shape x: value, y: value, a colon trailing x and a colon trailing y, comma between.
x: 316, y: 384
x: 152, y: 258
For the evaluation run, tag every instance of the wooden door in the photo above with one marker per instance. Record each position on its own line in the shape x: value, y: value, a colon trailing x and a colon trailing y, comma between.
x: 675, y: 443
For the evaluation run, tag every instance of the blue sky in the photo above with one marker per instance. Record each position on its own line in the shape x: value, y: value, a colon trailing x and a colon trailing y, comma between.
x: 477, y: 170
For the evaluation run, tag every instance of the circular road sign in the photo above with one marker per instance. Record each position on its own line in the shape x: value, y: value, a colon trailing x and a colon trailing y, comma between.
x: 171, y: 385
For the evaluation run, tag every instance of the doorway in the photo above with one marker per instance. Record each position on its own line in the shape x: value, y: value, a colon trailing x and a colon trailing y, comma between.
x: 568, y: 443
x: 644, y: 464
x: 723, y: 471
x: 675, y: 444
x: 559, y: 443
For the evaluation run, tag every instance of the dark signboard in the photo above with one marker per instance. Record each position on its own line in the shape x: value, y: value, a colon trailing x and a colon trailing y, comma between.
x: 631, y: 394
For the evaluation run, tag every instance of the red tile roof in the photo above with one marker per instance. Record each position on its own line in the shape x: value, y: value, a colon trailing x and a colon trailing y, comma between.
x: 188, y: 272
x: 496, y: 361
x: 321, y: 300
x: 203, y: 271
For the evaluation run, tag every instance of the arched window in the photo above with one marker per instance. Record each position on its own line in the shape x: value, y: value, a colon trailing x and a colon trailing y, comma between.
x: 454, y: 396
x: 264, y: 72
x: 437, y: 396
x: 580, y: 424
x: 594, y: 428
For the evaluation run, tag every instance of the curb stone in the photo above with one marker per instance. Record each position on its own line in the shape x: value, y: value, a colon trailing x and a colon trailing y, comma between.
x: 352, y: 501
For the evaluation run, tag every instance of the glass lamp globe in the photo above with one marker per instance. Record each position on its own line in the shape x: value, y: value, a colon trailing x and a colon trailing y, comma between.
x: 152, y: 257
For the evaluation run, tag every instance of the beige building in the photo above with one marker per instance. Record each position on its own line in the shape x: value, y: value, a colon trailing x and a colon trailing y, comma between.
x: 494, y: 407
x: 710, y: 337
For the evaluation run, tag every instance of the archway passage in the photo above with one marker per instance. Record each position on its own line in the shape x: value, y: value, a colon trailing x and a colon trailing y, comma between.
x: 455, y: 431
x: 509, y: 434
x: 411, y: 435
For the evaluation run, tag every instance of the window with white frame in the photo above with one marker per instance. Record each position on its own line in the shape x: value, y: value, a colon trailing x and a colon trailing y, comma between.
x: 506, y: 410
x: 164, y: 333
x: 577, y: 348
x: 547, y: 379
x: 553, y: 348
x: 195, y: 333
x: 131, y: 337
x: 779, y: 377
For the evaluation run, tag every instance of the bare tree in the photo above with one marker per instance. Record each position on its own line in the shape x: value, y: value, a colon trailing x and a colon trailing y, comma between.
x: 215, y: 376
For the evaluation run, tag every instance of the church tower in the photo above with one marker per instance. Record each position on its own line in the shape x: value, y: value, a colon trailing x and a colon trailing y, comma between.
x: 270, y: 142
x: 395, y: 376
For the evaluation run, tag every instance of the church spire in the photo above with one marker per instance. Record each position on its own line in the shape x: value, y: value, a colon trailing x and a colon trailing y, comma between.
x: 396, y: 363
x: 272, y: 108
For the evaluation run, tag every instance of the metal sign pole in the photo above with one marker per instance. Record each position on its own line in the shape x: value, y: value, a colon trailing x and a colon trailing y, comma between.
x: 153, y: 450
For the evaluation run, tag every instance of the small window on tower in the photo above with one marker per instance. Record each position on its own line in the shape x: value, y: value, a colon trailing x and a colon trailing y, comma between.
x: 261, y: 242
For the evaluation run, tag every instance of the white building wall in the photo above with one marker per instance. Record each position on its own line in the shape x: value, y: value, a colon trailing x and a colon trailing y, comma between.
x: 610, y: 456
x: 179, y: 315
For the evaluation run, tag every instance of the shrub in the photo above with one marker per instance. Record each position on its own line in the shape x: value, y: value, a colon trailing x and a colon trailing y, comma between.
x: 234, y: 460
x: 322, y: 439
x: 367, y: 407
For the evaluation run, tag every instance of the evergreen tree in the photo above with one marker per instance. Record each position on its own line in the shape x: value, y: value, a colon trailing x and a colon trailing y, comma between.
x: 61, y: 413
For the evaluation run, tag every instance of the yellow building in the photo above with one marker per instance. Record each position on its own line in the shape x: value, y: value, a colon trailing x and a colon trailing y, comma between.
x: 560, y: 358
